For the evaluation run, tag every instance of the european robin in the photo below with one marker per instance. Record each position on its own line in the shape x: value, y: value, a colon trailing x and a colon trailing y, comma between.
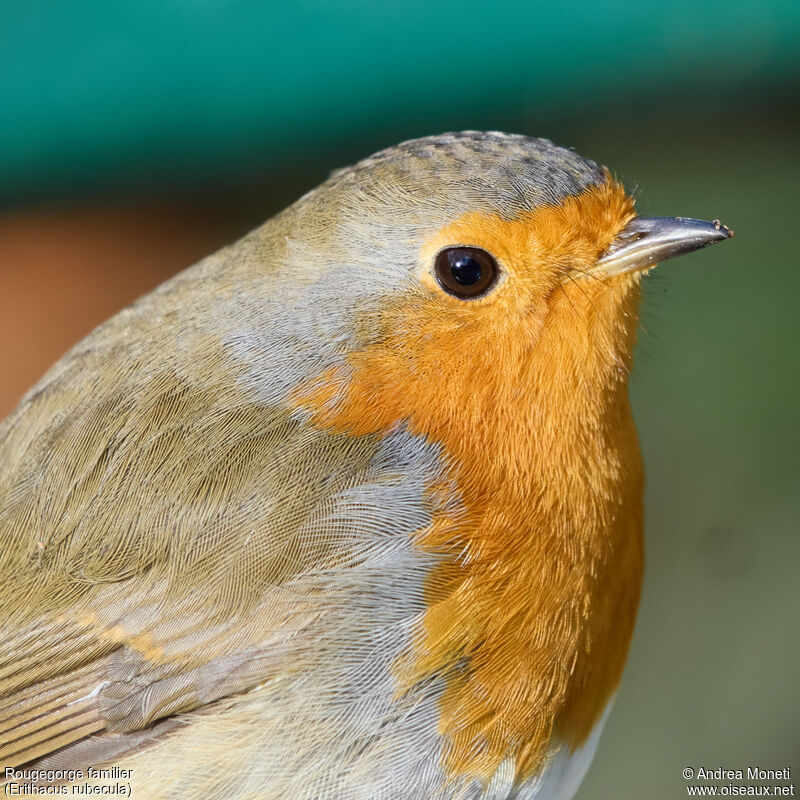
x: 350, y: 509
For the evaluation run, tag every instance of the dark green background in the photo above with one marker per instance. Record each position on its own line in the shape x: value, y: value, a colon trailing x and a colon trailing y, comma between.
x: 694, y: 105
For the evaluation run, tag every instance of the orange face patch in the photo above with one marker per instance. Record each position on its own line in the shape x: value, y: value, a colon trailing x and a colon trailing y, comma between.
x: 526, y: 391
x: 537, y: 247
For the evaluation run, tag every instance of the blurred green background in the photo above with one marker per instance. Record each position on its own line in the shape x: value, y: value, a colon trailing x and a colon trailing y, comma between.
x: 137, y: 136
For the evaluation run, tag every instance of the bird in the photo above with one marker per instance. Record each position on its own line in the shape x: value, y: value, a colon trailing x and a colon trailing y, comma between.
x: 352, y: 508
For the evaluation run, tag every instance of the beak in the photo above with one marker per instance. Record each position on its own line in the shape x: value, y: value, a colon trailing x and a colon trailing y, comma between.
x: 647, y: 240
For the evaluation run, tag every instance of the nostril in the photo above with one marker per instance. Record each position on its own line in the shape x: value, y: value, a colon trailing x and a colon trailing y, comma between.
x: 630, y: 236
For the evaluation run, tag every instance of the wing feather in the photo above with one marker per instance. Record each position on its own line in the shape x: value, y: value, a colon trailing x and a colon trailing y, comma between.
x: 151, y: 552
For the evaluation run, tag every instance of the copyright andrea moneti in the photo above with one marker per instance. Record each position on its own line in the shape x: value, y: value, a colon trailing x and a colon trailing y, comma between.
x: 66, y: 782
x: 747, y: 782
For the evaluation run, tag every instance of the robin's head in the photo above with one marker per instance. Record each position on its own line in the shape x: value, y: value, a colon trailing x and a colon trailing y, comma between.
x: 476, y: 266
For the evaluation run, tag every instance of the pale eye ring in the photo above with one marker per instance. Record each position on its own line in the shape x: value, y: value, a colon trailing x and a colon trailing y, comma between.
x: 466, y: 272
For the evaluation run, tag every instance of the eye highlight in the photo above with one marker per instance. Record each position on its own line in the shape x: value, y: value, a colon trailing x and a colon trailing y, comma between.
x: 466, y: 272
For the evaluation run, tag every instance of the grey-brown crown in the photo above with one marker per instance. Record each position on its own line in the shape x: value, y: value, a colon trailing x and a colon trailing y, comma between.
x: 517, y: 172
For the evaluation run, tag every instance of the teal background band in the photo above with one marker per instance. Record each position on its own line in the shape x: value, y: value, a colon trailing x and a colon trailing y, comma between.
x: 92, y: 90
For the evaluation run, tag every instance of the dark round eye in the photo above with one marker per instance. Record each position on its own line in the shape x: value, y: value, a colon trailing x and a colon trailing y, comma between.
x: 466, y: 271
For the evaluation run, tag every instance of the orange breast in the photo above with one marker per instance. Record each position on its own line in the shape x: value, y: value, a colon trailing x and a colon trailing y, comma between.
x: 531, y: 615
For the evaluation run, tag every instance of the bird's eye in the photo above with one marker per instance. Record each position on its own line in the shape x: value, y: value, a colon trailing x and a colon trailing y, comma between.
x: 466, y: 272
